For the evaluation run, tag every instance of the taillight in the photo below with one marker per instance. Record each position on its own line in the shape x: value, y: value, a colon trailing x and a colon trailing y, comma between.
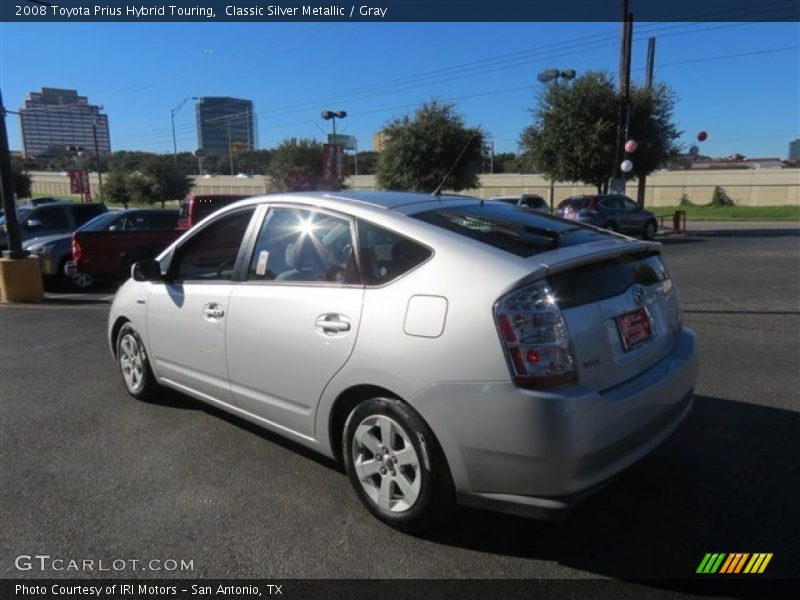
x: 535, y: 336
x: 77, y: 252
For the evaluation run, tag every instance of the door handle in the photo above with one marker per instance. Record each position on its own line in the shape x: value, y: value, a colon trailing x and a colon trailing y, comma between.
x: 213, y: 311
x: 333, y: 323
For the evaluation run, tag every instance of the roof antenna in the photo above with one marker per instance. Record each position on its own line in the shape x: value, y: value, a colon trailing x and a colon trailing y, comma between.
x: 438, y: 190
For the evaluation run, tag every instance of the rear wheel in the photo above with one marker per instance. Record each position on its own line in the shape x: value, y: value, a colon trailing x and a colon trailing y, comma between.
x: 395, y: 465
x: 134, y: 365
x: 72, y: 279
x: 650, y: 229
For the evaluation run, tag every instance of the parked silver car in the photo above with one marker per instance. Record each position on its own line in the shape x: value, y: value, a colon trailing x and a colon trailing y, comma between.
x: 443, y: 348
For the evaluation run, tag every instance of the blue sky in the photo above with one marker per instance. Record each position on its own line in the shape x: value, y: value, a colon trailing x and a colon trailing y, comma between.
x: 748, y: 103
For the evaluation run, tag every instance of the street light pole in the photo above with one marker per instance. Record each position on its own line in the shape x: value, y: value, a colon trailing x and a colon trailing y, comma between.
x: 97, y: 157
x: 172, y: 113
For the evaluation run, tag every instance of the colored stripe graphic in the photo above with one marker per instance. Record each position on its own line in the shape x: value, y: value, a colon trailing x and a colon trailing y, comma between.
x: 720, y: 562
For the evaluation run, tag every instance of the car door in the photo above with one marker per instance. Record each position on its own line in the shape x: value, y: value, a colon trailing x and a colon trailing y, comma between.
x: 632, y: 216
x: 187, y: 314
x: 293, y: 321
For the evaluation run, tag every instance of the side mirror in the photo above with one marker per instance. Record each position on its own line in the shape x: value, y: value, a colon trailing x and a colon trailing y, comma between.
x: 146, y: 270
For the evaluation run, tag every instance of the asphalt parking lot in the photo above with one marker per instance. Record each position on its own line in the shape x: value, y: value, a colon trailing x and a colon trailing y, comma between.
x: 88, y: 472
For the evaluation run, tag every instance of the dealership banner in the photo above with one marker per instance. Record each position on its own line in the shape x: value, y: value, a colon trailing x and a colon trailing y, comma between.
x: 394, y: 10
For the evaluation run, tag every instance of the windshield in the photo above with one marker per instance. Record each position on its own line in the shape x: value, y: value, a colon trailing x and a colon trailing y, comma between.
x: 100, y: 222
x: 510, y: 228
x: 22, y: 214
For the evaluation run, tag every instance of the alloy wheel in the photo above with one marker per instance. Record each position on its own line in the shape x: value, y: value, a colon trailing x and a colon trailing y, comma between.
x: 386, y: 463
x: 132, y: 362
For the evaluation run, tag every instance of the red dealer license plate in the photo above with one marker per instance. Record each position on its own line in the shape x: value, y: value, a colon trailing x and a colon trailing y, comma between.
x: 634, y: 328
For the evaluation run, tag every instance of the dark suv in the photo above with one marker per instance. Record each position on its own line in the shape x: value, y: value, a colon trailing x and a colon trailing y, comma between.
x: 50, y: 218
x: 610, y: 211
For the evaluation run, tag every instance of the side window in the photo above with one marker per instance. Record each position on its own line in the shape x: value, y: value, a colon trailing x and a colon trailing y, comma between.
x: 612, y: 203
x: 304, y: 245
x: 627, y: 203
x: 51, y: 218
x: 386, y: 255
x: 210, y: 254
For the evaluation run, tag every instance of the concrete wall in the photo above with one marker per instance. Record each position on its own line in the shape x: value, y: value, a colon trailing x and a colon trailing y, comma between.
x: 751, y: 187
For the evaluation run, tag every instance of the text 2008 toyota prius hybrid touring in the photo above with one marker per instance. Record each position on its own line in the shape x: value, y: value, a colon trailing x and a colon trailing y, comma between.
x: 444, y: 348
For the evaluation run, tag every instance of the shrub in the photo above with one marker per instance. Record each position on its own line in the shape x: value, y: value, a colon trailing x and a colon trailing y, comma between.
x: 720, y: 197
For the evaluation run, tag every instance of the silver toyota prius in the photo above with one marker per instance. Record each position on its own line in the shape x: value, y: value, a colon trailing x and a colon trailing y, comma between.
x: 444, y: 348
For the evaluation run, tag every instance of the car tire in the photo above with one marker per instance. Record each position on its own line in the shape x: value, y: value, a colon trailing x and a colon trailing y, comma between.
x: 134, y: 366
x: 79, y: 283
x: 611, y: 226
x: 405, y: 483
x: 650, y: 229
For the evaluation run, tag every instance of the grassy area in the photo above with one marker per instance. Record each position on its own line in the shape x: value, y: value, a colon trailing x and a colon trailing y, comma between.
x: 733, y: 213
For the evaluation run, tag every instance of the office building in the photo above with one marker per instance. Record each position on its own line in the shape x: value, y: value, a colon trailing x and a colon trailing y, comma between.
x: 57, y: 119
x: 794, y: 149
x: 224, y: 123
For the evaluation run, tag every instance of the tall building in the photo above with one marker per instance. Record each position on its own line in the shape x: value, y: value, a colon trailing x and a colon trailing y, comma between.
x: 55, y: 118
x: 224, y: 123
x: 794, y: 149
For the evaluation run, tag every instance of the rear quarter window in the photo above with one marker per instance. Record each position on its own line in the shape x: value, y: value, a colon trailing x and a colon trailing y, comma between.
x: 386, y: 255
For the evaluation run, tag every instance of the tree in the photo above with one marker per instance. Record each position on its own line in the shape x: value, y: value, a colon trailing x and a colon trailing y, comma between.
x: 506, y: 162
x: 573, y: 137
x: 23, y: 184
x: 117, y: 187
x: 421, y: 151
x: 367, y: 163
x: 165, y: 179
x: 296, y: 165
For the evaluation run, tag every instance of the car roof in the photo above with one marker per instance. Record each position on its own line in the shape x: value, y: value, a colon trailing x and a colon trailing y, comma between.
x: 371, y: 200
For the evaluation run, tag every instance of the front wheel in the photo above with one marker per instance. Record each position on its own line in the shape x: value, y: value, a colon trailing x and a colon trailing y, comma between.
x: 133, y: 364
x: 396, y: 466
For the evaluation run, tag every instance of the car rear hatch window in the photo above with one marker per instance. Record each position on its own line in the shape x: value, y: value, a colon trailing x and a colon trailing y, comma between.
x: 510, y: 228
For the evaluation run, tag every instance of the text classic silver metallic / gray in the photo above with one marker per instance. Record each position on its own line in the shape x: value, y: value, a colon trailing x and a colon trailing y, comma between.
x: 444, y: 348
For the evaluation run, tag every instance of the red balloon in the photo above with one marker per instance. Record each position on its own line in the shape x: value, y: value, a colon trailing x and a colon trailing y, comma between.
x: 631, y: 146
x: 702, y: 136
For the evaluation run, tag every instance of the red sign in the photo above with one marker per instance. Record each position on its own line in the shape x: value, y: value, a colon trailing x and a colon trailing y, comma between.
x: 79, y: 184
x: 332, y: 162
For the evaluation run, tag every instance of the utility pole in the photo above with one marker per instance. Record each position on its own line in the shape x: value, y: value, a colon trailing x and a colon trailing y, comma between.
x: 97, y: 157
x: 624, y: 88
x: 648, y: 84
x: 7, y: 188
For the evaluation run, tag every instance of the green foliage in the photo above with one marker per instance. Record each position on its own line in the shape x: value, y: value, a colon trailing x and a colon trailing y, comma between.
x: 116, y: 187
x: 165, y: 179
x: 421, y: 150
x: 573, y: 137
x: 23, y: 183
x: 296, y: 165
x: 720, y: 197
x: 507, y: 162
x: 158, y: 180
x: 685, y: 201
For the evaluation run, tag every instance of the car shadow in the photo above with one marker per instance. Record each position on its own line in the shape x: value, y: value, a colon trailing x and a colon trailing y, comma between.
x: 727, y: 481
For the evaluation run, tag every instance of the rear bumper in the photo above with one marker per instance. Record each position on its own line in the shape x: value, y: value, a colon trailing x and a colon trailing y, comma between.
x: 537, y: 453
